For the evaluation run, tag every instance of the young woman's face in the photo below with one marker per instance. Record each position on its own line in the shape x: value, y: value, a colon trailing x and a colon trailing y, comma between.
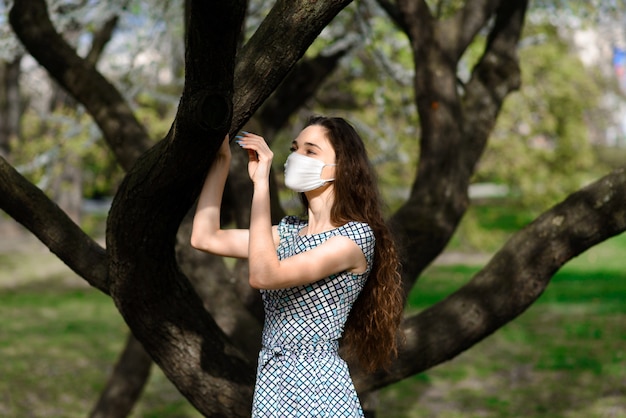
x: 312, y: 142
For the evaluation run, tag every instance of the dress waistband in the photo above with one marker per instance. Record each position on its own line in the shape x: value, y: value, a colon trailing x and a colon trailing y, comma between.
x: 300, y: 348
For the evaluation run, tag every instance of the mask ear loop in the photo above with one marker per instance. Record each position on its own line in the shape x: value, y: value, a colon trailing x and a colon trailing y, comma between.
x: 327, y: 165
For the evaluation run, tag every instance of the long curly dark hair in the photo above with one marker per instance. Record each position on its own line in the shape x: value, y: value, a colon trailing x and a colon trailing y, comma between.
x: 371, y: 333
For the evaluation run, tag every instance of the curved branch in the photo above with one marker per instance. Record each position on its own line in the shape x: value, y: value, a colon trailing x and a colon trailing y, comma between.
x: 298, y: 87
x: 514, y: 278
x: 32, y: 208
x: 100, y: 39
x: 495, y: 76
x: 463, y: 27
x: 126, y: 136
x: 281, y: 40
x: 416, y: 20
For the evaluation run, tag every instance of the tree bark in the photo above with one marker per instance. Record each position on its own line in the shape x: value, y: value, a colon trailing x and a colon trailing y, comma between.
x: 155, y: 299
x: 275, y: 47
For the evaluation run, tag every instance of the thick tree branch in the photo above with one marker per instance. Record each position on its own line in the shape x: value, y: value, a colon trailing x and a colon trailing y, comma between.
x: 126, y: 136
x: 280, y: 41
x: 416, y: 20
x: 298, y: 87
x: 512, y: 281
x: 428, y: 219
x: 10, y: 104
x: 155, y: 299
x: 29, y: 206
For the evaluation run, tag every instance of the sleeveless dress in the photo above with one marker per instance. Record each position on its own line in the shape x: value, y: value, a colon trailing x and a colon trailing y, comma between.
x: 300, y: 373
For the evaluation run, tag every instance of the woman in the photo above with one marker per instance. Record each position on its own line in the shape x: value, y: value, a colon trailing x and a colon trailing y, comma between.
x: 336, y: 268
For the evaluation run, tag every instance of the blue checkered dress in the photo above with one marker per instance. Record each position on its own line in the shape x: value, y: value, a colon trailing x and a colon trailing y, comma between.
x: 300, y: 373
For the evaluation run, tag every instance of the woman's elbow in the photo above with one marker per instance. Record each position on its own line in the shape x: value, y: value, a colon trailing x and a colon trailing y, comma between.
x: 197, y: 236
x: 254, y: 282
x: 201, y: 242
x: 195, y: 241
x: 260, y: 281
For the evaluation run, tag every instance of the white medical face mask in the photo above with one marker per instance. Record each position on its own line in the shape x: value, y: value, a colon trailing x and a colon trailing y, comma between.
x: 303, y: 173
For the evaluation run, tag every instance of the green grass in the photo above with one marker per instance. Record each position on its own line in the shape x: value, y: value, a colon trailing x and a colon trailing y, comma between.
x: 564, y: 357
x: 486, y: 227
x: 59, y: 341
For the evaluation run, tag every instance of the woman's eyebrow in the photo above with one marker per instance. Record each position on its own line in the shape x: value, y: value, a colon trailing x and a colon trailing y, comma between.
x: 294, y: 143
x: 310, y: 144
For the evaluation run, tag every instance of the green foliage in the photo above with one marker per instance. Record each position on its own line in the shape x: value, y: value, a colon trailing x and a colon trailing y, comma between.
x: 486, y: 226
x: 61, y: 138
x: 540, y: 147
x: 68, y: 136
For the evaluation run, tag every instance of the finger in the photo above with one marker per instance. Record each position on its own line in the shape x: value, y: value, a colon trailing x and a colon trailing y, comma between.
x: 247, y: 137
x: 244, y: 139
x: 256, y: 143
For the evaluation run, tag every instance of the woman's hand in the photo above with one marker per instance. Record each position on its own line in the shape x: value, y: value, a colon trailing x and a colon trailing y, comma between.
x: 259, y: 156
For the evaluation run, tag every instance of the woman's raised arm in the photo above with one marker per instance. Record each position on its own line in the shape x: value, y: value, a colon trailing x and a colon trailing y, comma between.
x: 206, y: 234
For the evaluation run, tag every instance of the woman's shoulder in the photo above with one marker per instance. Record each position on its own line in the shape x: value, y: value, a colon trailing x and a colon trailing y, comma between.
x: 363, y: 235
x: 359, y: 231
x: 289, y: 224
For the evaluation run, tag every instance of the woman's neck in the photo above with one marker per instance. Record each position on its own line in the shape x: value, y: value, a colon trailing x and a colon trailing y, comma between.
x: 320, y: 203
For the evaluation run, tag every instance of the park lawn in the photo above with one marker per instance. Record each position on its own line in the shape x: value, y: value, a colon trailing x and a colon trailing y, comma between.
x: 564, y: 357
x: 59, y: 341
